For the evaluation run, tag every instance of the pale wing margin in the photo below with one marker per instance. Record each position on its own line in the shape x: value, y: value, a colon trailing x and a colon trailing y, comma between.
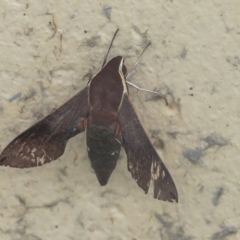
x: 143, y: 161
x: 46, y: 140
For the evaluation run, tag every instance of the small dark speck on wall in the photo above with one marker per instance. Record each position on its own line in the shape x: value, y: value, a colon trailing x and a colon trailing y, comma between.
x: 171, y: 231
x: 15, y: 96
x: 158, y: 142
x: 31, y: 93
x: 215, y: 140
x: 107, y: 11
x: 193, y: 155
x: 217, y: 195
x: 183, y: 54
x: 191, y: 94
x: 93, y: 41
x: 224, y: 233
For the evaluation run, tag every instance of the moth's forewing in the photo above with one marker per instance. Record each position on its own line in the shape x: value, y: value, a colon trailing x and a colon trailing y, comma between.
x: 46, y: 140
x: 143, y: 161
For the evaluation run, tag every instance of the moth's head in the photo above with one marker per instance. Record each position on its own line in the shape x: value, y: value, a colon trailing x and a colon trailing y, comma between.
x: 117, y: 63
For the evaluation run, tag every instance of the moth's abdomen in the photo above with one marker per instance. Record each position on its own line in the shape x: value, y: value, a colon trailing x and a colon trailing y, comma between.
x: 103, y: 151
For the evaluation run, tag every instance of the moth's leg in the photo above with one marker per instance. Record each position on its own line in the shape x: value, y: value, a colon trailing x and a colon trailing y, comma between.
x: 131, y: 71
x: 147, y: 90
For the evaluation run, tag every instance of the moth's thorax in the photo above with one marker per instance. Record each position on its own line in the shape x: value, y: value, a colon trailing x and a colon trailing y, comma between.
x: 107, y: 87
x: 102, y: 118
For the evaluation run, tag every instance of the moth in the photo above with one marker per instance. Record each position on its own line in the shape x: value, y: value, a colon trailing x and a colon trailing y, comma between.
x: 103, y: 109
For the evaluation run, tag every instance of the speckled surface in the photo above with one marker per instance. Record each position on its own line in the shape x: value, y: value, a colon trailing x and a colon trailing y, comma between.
x: 194, y: 57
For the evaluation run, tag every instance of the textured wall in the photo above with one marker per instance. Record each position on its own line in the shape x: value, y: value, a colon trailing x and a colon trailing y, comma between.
x: 48, y: 49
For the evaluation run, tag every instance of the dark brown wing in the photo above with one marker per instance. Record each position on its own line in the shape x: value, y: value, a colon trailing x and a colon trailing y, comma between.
x: 46, y: 140
x: 143, y: 161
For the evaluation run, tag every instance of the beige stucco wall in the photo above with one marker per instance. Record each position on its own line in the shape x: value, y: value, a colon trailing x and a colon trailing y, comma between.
x: 194, y: 56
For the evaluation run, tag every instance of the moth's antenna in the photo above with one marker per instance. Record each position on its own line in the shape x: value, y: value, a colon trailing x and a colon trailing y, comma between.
x: 131, y: 71
x: 105, y: 58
